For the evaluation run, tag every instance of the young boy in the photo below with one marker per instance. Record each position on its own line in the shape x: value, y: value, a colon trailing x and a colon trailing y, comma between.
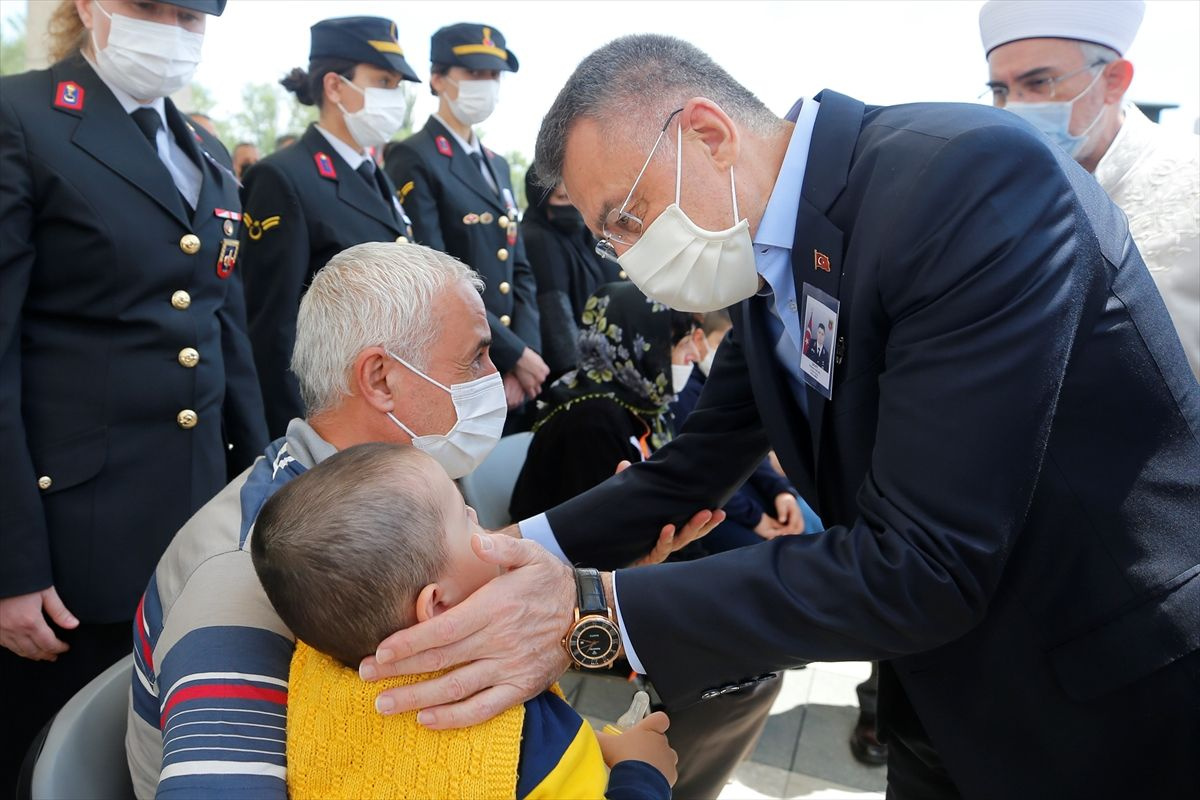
x: 375, y: 539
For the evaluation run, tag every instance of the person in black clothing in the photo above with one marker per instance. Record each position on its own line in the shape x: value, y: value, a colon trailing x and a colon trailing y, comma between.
x: 308, y: 202
x: 129, y: 390
x: 614, y: 407
x: 562, y: 252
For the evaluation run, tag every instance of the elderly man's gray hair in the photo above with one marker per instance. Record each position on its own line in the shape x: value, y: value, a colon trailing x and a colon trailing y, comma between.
x: 630, y: 85
x: 378, y: 293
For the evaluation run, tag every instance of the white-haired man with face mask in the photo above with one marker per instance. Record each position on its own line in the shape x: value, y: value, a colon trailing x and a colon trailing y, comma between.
x: 392, y: 345
x: 1060, y: 66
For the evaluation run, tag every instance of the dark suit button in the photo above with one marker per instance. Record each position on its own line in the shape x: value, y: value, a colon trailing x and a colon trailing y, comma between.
x: 45, y: 483
x: 505, y: 287
x: 710, y: 694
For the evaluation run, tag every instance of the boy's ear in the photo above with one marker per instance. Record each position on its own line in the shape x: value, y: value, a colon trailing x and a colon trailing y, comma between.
x: 431, y: 601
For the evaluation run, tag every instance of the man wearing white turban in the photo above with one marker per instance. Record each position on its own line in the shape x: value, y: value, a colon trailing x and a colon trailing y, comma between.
x: 1059, y: 64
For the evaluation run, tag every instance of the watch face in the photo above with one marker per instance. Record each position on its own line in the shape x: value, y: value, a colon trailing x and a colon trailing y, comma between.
x: 594, y: 642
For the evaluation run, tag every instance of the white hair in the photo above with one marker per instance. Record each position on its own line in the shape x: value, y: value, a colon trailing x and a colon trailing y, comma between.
x: 378, y: 293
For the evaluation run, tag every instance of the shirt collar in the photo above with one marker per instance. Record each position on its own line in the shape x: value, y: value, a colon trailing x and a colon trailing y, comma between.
x: 127, y: 101
x: 471, y: 146
x: 778, y: 225
x: 351, y: 156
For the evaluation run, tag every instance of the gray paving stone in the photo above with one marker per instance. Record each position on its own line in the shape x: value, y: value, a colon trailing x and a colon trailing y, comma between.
x: 824, y: 750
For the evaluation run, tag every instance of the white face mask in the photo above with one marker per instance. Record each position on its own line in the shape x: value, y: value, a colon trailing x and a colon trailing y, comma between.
x: 686, y: 267
x: 476, y: 100
x: 146, y: 59
x: 705, y: 364
x: 1054, y: 119
x: 480, y: 406
x: 380, y: 117
x: 680, y: 373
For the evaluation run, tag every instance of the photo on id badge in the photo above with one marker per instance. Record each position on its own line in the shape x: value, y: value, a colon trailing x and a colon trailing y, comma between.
x: 819, y: 318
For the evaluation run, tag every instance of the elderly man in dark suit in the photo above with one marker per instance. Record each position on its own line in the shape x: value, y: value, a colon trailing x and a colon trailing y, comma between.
x: 1011, y: 519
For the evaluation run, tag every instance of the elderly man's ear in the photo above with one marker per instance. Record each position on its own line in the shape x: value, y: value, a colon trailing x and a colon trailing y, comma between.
x: 1117, y: 80
x: 703, y: 120
x: 369, y: 378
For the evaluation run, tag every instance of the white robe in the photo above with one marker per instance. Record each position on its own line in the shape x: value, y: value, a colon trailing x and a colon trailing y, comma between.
x: 1153, y: 175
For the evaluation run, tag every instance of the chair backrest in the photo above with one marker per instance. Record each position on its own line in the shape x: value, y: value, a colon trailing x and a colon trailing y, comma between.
x: 489, y: 488
x: 84, y: 752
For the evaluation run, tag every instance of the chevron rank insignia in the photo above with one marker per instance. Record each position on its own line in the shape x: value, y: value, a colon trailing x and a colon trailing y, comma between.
x: 69, y: 95
x: 325, y: 166
x: 256, y: 227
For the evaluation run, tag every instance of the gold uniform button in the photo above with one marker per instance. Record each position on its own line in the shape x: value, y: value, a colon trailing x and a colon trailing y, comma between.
x: 505, y: 320
x: 503, y: 221
x: 504, y: 287
x: 622, y: 275
x: 401, y: 240
x: 189, y: 357
x: 187, y: 419
x: 190, y: 244
x: 502, y: 254
x: 45, y: 483
x: 181, y: 300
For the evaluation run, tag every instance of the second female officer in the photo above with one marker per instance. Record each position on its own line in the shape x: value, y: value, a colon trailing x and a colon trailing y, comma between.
x: 460, y: 196
x: 310, y: 201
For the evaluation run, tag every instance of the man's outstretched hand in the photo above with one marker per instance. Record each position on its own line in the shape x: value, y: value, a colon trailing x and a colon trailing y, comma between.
x: 507, y: 636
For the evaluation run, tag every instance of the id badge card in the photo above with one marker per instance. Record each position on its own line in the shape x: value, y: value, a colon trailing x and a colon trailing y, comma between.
x: 819, y: 320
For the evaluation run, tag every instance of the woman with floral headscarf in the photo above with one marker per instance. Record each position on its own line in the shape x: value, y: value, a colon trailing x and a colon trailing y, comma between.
x: 634, y: 355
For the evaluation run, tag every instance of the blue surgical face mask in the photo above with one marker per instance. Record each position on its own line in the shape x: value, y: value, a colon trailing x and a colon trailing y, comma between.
x: 1054, y: 119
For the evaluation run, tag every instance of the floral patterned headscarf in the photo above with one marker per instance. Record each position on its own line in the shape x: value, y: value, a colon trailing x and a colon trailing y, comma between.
x: 624, y: 355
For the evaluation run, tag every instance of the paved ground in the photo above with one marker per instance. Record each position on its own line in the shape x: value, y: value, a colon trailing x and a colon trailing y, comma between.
x: 803, y: 752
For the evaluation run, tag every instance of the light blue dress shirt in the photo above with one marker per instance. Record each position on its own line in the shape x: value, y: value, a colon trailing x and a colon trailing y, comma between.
x: 773, y: 260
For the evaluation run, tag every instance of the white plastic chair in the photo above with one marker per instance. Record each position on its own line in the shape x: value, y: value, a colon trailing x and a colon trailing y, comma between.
x: 83, y: 756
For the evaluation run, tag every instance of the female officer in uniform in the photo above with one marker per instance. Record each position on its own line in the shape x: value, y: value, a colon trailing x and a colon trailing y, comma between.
x: 310, y: 201
x: 126, y: 372
x: 460, y: 197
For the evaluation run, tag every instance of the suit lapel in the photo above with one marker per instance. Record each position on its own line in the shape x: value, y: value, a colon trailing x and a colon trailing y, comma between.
x: 351, y: 188
x: 819, y: 243
x: 789, y: 433
x: 463, y: 168
x: 112, y: 137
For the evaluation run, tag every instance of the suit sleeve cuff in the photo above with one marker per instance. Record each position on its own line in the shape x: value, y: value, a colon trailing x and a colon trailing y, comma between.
x: 538, y: 529
x: 630, y: 654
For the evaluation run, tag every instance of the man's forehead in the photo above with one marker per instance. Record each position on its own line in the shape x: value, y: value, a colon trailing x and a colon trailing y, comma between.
x: 1025, y: 55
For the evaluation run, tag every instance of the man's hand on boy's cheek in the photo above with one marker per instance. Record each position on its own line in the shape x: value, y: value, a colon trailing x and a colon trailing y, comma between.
x: 507, y: 636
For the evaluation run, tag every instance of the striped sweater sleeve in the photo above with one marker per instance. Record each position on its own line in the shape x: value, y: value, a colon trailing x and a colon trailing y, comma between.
x: 219, y: 690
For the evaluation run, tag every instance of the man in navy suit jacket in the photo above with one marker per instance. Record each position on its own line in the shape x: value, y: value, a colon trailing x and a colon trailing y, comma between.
x: 1012, y: 518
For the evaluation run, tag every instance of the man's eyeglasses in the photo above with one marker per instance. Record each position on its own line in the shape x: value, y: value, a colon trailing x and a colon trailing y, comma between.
x: 1041, y: 88
x: 619, y: 225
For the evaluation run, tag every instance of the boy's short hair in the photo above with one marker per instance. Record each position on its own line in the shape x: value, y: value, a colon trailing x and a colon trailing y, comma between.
x: 343, y: 550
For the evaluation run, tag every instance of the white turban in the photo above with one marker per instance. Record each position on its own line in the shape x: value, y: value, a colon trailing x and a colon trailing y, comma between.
x: 1112, y: 23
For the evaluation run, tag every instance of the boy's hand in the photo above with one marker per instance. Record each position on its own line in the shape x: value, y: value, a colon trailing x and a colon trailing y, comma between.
x: 646, y: 741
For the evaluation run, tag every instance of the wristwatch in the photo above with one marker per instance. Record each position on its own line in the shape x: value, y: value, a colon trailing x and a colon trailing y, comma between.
x: 593, y: 640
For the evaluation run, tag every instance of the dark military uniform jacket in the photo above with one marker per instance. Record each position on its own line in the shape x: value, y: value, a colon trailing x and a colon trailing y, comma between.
x: 304, y: 204
x: 125, y: 370
x: 453, y: 209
